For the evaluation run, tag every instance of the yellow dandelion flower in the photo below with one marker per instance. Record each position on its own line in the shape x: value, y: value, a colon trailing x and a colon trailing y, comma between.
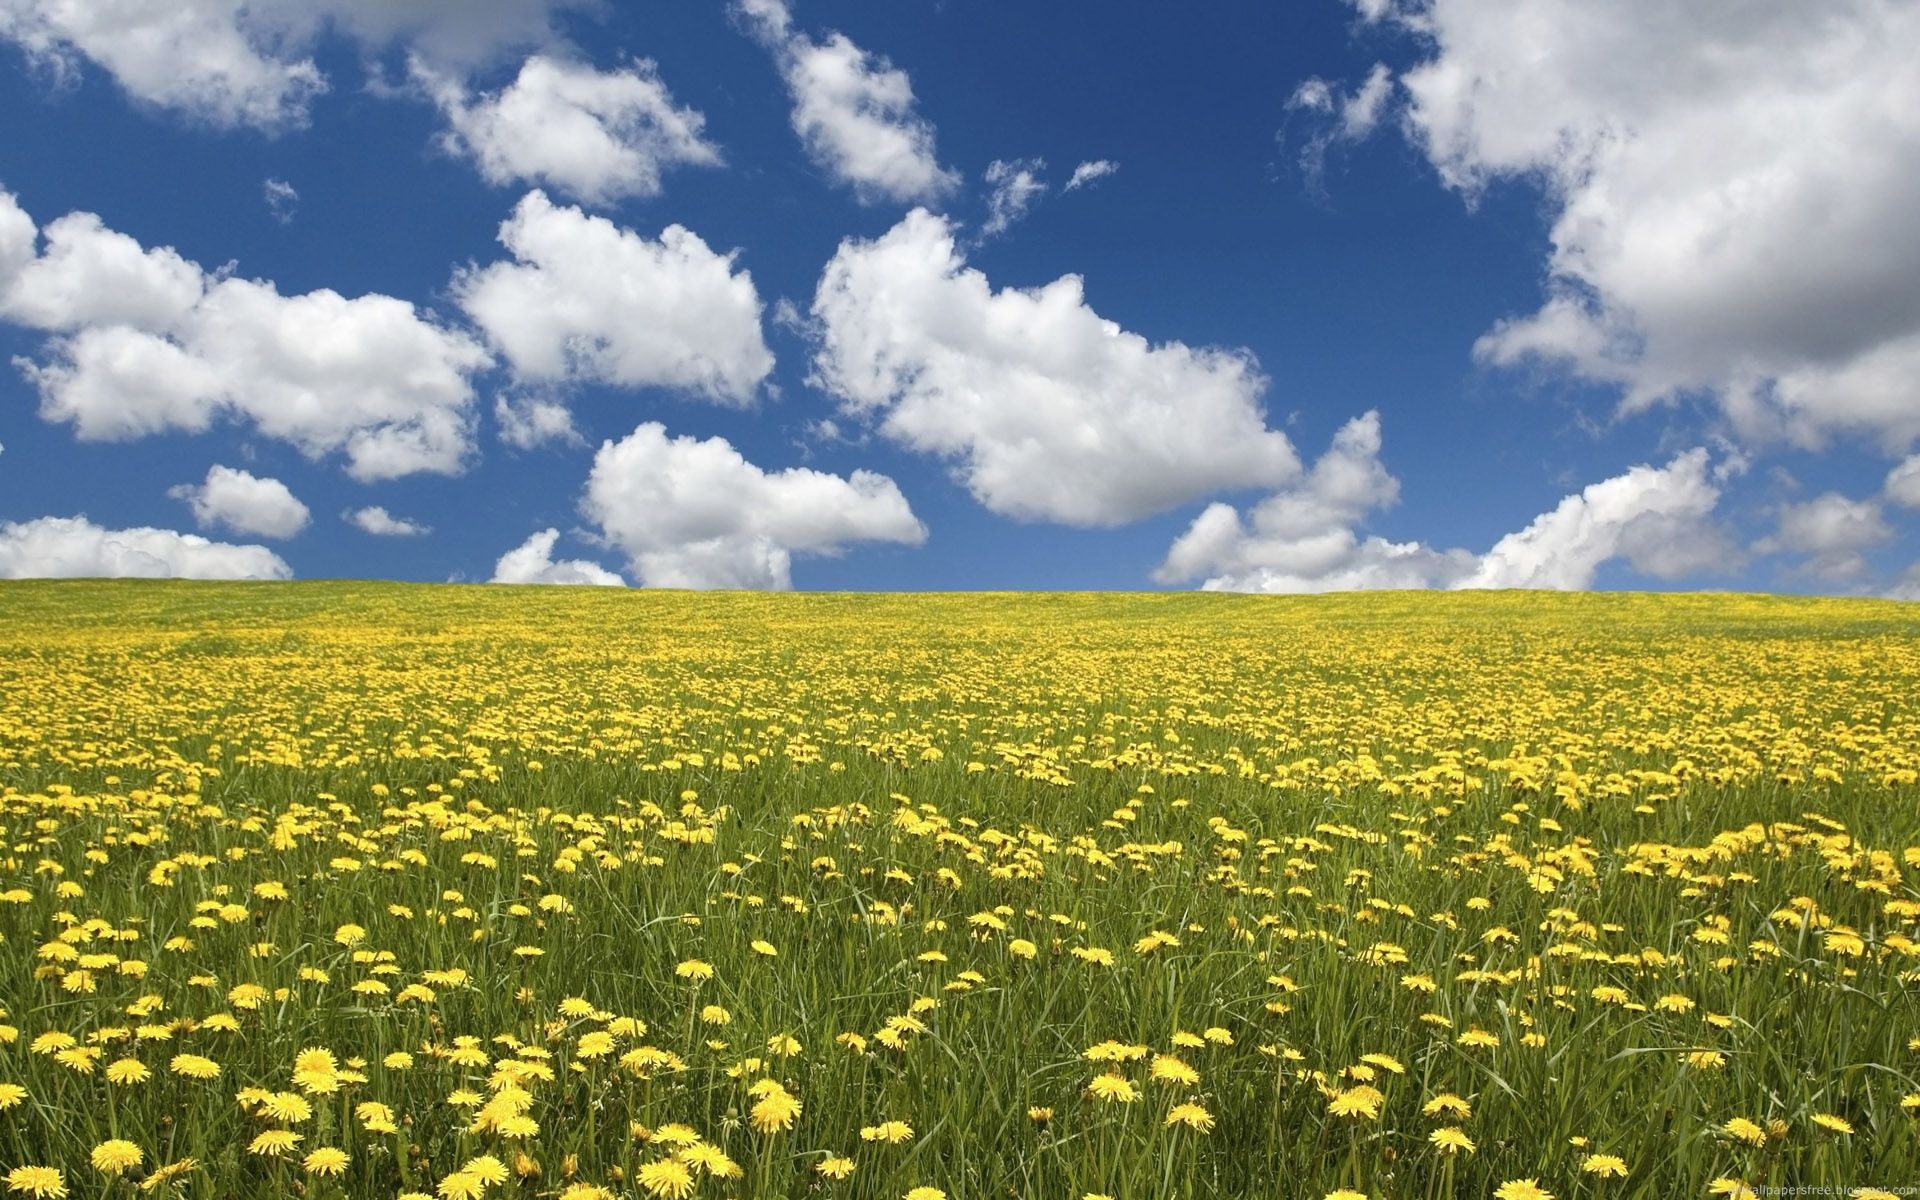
x: 835, y: 1167
x: 42, y: 1183
x: 1605, y: 1166
x: 666, y: 1178
x: 1193, y: 1116
x: 326, y: 1161
x: 116, y: 1156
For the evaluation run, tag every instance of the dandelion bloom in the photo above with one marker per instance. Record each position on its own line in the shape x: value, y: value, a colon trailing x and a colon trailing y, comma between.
x: 1192, y: 1116
x: 1113, y: 1089
x: 1606, y: 1166
x: 194, y: 1066
x: 116, y: 1156
x: 666, y: 1178
x: 1521, y: 1189
x: 1451, y: 1139
x: 775, y: 1111
x: 925, y: 1193
x: 42, y: 1183
x: 327, y: 1160
x: 462, y: 1186
x: 1361, y: 1103
x: 834, y: 1167
x: 890, y: 1132
x: 1832, y: 1123
x: 274, y: 1143
x: 1746, y: 1131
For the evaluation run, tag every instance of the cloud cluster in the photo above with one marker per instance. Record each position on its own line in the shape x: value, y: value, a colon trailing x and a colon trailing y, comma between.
x: 532, y: 562
x: 598, y: 136
x: 854, y: 111
x: 1733, y: 194
x: 250, y: 62
x: 696, y: 514
x: 1832, y: 531
x: 76, y: 548
x: 142, y: 340
x: 244, y: 503
x: 1049, y: 411
x: 586, y: 301
x: 376, y: 520
x: 1305, y: 538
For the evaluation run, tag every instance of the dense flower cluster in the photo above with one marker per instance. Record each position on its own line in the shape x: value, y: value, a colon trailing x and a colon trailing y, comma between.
x: 462, y: 893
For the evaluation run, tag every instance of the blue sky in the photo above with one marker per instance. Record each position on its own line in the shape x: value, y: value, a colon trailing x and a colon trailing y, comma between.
x: 1561, y: 326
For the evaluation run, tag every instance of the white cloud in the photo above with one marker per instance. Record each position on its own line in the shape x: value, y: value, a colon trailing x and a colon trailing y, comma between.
x: 1089, y: 173
x: 854, y: 111
x: 1050, y: 411
x: 696, y: 514
x: 1305, y: 537
x: 1903, y: 483
x: 244, y: 503
x: 1658, y: 519
x: 1832, y: 531
x: 1013, y: 186
x: 281, y: 199
x: 143, y: 340
x: 74, y: 547
x: 1302, y: 539
x: 1342, y: 117
x: 532, y: 562
x: 586, y: 300
x: 599, y: 136
x: 1733, y: 192
x: 377, y: 521
x: 1908, y: 585
x: 529, y: 421
x: 250, y: 62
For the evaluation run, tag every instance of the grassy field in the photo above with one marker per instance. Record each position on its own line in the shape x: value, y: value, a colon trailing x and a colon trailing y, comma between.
x: 373, y: 890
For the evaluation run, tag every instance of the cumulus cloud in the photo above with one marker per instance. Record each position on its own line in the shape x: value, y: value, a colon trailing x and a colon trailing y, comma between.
x: 1305, y: 538
x: 244, y: 503
x: 598, y: 136
x: 1657, y: 519
x: 585, y: 300
x: 529, y: 421
x: 1089, y: 173
x: 1013, y: 187
x: 532, y: 562
x: 696, y: 514
x: 76, y: 548
x: 854, y: 111
x: 1302, y: 539
x: 377, y: 521
x: 1732, y: 191
x: 1903, y: 483
x: 1832, y: 531
x: 142, y: 340
x: 250, y: 62
x: 1049, y: 411
x: 1908, y: 585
